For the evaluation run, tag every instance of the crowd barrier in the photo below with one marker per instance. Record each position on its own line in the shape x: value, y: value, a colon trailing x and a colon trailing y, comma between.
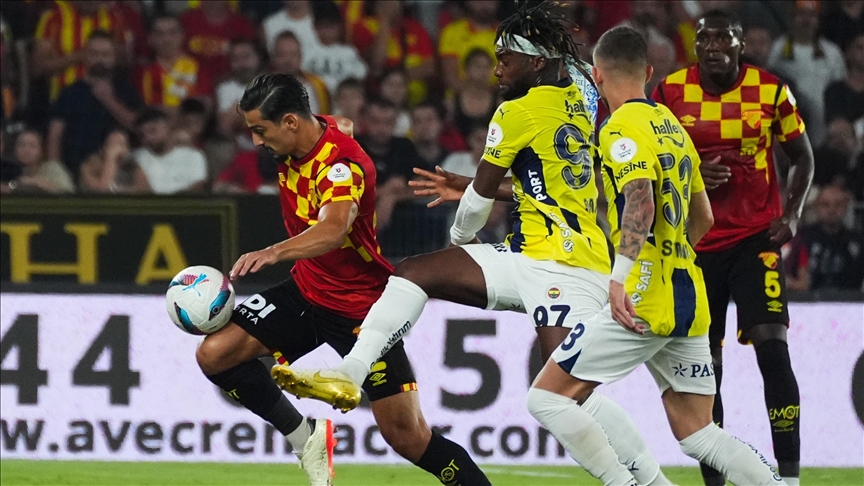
x: 108, y: 377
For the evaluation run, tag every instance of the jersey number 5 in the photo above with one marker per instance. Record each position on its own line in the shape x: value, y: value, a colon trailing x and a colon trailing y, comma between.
x: 673, y: 212
x: 578, y: 174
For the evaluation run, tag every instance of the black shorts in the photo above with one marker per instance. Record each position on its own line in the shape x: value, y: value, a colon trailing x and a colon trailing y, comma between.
x: 283, y: 320
x: 751, y: 272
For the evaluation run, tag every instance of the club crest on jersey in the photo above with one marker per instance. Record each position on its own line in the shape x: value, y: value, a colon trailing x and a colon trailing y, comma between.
x: 623, y: 150
x: 769, y: 258
x: 339, y: 173
x: 753, y: 118
x: 554, y: 293
x: 495, y: 135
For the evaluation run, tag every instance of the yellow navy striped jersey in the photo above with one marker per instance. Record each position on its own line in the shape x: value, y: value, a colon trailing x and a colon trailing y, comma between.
x: 644, y: 140
x: 544, y: 138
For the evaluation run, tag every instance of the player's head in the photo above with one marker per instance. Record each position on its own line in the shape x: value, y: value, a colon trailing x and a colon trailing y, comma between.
x: 274, y: 106
x: 719, y: 43
x: 620, y: 56
x: 530, y: 46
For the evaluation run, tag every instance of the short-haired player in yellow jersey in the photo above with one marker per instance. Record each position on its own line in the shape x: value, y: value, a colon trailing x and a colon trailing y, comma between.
x: 658, y: 313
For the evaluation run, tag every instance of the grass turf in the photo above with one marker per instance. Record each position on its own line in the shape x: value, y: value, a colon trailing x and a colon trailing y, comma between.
x: 45, y: 473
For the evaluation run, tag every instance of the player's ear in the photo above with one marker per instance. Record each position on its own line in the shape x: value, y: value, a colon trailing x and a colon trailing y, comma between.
x: 596, y: 74
x: 649, y: 71
x: 539, y: 63
x: 290, y: 121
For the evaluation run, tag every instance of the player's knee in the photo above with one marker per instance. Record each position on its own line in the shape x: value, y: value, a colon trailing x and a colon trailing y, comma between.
x: 407, y: 437
x: 763, y: 333
x: 210, y: 356
x: 411, y: 269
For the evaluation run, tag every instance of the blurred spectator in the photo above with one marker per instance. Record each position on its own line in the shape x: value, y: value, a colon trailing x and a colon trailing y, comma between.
x: 427, y: 121
x: 287, y: 58
x: 758, y: 41
x: 173, y: 75
x: 646, y: 19
x: 296, y: 17
x: 833, y: 158
x: 169, y: 169
x: 132, y: 31
x: 349, y: 100
x: 9, y: 169
x: 394, y: 157
x: 112, y: 169
x: 194, y: 127
x: 811, y: 61
x: 827, y: 254
x: 394, y: 88
x: 246, y: 63
x: 680, y: 28
x: 90, y: 108
x: 331, y: 58
x: 843, y: 21
x: 458, y: 39
x: 8, y: 76
x: 61, y: 36
x: 475, y: 100
x: 771, y: 15
x: 38, y: 175
x: 390, y: 39
x: 209, y: 30
x: 845, y: 98
x: 252, y: 171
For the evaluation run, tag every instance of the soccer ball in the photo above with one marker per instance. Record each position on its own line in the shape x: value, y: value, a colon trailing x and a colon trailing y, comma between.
x: 200, y: 300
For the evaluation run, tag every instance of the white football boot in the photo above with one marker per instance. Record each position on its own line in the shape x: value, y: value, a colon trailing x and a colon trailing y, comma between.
x: 317, y: 456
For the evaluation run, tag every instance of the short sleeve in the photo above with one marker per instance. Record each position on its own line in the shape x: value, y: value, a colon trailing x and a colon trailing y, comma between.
x: 627, y: 155
x: 340, y: 180
x: 788, y: 124
x: 696, y: 182
x: 509, y: 132
x: 47, y: 28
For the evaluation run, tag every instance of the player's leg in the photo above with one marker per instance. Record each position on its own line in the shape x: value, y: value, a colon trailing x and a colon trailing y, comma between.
x: 228, y: 358
x: 715, y: 270
x: 682, y: 369
x: 597, y: 351
x: 759, y: 290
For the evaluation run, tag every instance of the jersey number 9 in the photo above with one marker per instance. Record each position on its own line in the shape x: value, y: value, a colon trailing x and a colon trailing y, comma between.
x: 578, y: 174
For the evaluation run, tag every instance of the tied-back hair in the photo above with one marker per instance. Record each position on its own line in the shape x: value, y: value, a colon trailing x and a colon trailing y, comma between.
x: 544, y: 25
x: 275, y: 95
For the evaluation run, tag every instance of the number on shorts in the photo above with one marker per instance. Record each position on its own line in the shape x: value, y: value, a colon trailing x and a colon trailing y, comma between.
x: 575, y: 334
x: 772, y: 284
x: 541, y: 315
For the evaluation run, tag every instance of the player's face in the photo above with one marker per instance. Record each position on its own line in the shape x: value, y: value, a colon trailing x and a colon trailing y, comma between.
x: 718, y: 47
x: 515, y: 73
x: 277, y: 138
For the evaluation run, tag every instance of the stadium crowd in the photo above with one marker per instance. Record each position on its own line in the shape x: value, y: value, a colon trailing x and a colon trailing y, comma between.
x: 139, y: 97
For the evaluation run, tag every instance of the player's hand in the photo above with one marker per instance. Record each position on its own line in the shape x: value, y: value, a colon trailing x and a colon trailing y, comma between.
x: 622, y: 308
x: 252, y: 262
x: 782, y: 230
x: 713, y: 173
x: 446, y: 185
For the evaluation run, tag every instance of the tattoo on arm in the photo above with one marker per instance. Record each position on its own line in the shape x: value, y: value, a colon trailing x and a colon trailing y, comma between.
x: 637, y: 217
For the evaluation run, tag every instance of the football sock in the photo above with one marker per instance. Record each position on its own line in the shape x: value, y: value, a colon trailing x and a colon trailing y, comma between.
x: 580, y: 434
x: 625, y: 440
x: 298, y: 437
x: 250, y: 384
x: 783, y: 403
x: 450, y: 463
x: 711, y: 476
x: 792, y: 481
x: 738, y: 461
x: 389, y: 319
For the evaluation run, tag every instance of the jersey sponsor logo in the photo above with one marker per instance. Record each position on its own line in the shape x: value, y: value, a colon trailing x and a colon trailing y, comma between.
x: 554, y: 293
x: 693, y: 370
x: 492, y: 152
x: 681, y: 250
x: 339, y: 173
x: 687, y: 120
x: 254, y: 308
x: 783, y: 419
x: 396, y: 336
x: 623, y: 150
x: 535, y: 182
x: 753, y: 118
x: 645, y: 274
x: 630, y: 167
x: 668, y: 131
x: 495, y: 135
x: 769, y: 258
x: 775, y: 306
x: 575, y: 108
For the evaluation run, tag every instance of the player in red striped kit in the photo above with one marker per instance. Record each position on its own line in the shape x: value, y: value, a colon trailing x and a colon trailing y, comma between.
x: 327, y: 192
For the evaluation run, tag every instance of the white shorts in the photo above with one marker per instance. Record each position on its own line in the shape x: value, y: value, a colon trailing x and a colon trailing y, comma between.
x: 602, y: 350
x: 553, y: 294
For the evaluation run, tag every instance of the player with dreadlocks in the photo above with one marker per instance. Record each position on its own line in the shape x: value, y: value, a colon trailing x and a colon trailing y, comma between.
x: 554, y: 265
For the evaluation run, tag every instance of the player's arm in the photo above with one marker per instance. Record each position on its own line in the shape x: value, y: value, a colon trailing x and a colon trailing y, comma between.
x: 701, y: 218
x: 450, y: 187
x: 476, y: 203
x: 800, y: 155
x: 334, y: 222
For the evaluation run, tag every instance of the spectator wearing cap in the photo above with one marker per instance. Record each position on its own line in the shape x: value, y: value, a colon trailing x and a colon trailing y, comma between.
x: 170, y: 169
x: 90, y: 108
x: 812, y: 61
x: 209, y: 29
x: 459, y: 38
x: 332, y: 59
x: 287, y: 58
x: 295, y: 16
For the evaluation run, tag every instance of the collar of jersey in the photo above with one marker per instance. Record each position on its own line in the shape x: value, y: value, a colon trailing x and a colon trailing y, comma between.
x: 642, y: 100
x: 316, y: 149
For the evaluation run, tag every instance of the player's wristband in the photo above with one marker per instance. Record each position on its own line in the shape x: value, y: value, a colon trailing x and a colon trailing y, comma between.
x: 621, y: 268
x: 471, y: 216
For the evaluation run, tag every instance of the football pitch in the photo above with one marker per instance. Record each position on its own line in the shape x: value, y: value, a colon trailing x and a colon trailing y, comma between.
x: 45, y: 473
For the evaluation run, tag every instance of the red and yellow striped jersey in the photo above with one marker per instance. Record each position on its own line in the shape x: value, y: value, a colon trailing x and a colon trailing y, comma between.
x: 349, y: 280
x: 169, y: 87
x: 739, y: 125
x: 67, y: 31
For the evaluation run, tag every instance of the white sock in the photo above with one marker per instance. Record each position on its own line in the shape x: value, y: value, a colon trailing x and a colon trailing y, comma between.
x: 739, y: 462
x: 625, y: 440
x: 389, y: 319
x: 299, y: 436
x: 792, y: 481
x: 580, y: 434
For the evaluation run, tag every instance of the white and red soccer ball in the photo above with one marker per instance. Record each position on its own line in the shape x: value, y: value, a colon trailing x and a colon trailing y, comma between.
x: 200, y: 300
